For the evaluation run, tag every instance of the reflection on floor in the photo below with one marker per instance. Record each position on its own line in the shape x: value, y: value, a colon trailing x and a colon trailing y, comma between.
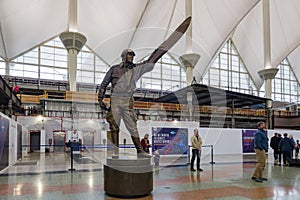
x: 46, y: 176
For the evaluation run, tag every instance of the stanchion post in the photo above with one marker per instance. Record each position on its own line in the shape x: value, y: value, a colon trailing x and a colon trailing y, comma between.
x: 212, y: 154
x: 72, y: 169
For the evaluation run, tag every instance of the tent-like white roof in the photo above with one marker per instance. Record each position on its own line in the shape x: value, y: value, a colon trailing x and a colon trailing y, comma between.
x: 111, y: 26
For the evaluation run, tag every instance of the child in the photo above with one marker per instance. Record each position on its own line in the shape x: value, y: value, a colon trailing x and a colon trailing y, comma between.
x: 156, y: 158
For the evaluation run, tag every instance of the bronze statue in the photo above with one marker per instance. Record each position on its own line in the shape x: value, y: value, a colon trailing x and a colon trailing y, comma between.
x: 123, y: 78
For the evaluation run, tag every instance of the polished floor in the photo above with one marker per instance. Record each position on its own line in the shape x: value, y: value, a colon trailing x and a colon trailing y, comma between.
x: 46, y: 176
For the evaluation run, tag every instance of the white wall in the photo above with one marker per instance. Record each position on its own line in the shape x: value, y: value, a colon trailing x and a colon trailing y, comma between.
x: 43, y: 141
x: 13, y: 139
x: 225, y: 141
x: 12, y: 142
x: 25, y: 141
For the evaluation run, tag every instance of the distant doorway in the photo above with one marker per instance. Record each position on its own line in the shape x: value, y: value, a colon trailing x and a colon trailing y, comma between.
x: 59, y: 138
x: 35, y: 141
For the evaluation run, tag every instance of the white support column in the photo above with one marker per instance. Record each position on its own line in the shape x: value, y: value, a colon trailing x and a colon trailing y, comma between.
x: 73, y: 42
x: 267, y: 50
x: 190, y: 59
x: 72, y: 66
x: 268, y: 73
x: 267, y: 47
x: 189, y: 32
x: 72, y: 18
x: 7, y: 68
x: 267, y: 39
x: 268, y: 87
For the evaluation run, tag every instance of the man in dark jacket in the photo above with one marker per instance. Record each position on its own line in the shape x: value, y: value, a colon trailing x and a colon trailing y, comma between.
x: 286, y: 146
x: 261, y: 147
x: 274, y: 145
x: 279, y: 151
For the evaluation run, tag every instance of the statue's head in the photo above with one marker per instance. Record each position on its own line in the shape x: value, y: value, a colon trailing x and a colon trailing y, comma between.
x: 127, y: 55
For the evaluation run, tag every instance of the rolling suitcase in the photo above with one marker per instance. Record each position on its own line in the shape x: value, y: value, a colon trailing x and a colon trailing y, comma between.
x: 294, y: 163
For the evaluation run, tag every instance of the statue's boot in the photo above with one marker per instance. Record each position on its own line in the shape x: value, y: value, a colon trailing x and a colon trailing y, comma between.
x: 115, y: 141
x: 140, y: 152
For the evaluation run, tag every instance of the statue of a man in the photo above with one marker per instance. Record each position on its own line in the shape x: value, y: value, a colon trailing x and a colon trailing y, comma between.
x: 123, y: 78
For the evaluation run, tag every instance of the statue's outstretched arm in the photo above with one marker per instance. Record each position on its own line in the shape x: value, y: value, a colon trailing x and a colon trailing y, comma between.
x: 170, y: 42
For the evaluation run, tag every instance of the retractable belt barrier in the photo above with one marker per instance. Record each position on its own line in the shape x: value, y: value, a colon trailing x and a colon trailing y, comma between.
x: 211, y: 153
x: 104, y: 146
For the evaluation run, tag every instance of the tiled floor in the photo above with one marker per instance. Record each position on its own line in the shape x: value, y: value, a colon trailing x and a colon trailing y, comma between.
x: 46, y: 176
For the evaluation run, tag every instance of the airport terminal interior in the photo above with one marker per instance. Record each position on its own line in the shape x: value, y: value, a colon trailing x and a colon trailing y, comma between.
x: 233, y: 65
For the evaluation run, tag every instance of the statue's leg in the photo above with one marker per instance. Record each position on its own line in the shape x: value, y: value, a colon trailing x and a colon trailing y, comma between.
x: 130, y: 122
x: 140, y: 152
x: 114, y: 129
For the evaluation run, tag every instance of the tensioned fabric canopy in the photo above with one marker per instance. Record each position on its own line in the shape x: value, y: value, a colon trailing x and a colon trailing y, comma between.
x: 111, y: 26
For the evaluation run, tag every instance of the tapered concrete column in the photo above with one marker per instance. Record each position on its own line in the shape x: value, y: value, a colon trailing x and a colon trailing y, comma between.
x: 73, y: 42
x: 7, y: 68
x: 189, y: 61
x: 267, y: 75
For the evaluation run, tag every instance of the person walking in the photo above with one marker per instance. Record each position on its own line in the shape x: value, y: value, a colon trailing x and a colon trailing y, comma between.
x: 286, y: 146
x: 196, y: 141
x: 274, y: 145
x: 279, y: 151
x: 294, y: 144
x: 261, y: 147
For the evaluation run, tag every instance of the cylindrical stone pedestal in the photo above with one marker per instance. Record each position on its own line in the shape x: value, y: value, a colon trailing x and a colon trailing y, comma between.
x: 128, y: 177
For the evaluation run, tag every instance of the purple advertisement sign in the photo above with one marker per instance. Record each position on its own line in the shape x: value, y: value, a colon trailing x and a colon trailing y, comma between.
x: 248, y: 140
x: 170, y: 141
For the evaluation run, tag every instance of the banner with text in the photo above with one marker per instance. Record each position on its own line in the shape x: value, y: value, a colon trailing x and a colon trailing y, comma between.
x: 170, y: 141
x: 248, y: 140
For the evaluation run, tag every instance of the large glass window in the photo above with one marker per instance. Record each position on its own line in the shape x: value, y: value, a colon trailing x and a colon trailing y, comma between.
x: 85, y: 67
x: 100, y: 68
x: 285, y: 86
x: 25, y: 65
x: 2, y: 66
x: 228, y: 72
x: 54, y: 60
x: 50, y: 61
x: 167, y: 75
